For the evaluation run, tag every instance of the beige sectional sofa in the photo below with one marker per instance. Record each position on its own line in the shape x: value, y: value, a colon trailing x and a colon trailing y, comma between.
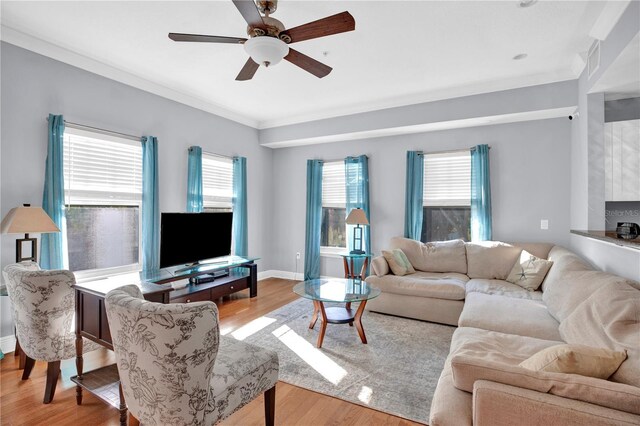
x: 501, y: 324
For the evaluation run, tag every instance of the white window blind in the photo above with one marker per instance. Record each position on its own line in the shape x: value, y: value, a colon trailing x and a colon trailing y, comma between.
x: 217, y: 181
x: 447, y: 179
x: 101, y: 169
x: 333, y: 185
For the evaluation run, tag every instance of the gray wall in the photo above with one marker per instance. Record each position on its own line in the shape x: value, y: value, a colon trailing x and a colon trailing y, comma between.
x: 529, y: 182
x: 34, y: 86
x: 562, y: 94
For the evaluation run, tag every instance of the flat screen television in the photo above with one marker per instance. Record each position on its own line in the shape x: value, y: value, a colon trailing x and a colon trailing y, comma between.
x: 187, y: 238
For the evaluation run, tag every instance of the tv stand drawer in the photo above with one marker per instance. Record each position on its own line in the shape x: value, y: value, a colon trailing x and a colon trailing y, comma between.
x: 228, y: 288
x: 200, y: 296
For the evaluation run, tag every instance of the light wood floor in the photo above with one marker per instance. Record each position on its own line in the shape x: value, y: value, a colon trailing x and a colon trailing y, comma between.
x: 21, y: 401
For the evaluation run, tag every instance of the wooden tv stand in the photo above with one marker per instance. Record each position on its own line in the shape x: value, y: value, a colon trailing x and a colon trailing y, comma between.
x: 237, y: 280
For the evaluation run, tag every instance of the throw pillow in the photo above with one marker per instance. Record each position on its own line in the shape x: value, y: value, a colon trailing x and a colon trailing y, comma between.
x: 398, y: 262
x: 405, y: 261
x: 576, y: 359
x: 529, y: 271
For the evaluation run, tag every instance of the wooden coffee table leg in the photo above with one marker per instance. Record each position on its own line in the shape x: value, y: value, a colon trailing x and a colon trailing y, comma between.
x: 358, y: 320
x: 323, y: 325
x: 314, y: 318
x: 348, y: 307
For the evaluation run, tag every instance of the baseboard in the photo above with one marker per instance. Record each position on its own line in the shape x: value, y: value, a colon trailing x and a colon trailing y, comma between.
x: 287, y: 275
x: 8, y: 344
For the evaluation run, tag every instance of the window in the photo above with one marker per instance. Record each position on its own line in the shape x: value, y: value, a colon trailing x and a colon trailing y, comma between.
x: 217, y: 183
x: 447, y: 196
x: 103, y: 197
x: 334, y: 206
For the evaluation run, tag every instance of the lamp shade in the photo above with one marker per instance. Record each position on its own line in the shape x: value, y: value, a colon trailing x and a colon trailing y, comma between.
x: 25, y: 220
x: 266, y: 50
x: 357, y: 217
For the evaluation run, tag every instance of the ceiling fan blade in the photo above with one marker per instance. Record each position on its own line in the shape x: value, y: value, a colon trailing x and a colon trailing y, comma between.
x: 340, y: 23
x: 249, y: 12
x: 308, y: 64
x: 205, y: 38
x: 247, y: 72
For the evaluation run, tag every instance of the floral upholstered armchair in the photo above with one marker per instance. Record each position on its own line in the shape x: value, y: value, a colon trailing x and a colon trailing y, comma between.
x: 43, y: 304
x: 174, y: 367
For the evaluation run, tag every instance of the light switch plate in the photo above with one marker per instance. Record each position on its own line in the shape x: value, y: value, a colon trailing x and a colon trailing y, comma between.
x: 544, y: 224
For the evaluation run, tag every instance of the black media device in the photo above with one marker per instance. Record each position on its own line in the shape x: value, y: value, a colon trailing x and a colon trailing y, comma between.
x: 627, y: 230
x: 192, y: 238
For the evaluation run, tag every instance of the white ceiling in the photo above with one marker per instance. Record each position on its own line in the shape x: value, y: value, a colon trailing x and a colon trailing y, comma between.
x: 400, y: 53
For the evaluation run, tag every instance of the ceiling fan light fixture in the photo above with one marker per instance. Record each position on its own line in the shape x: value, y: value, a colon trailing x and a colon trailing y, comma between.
x: 266, y: 50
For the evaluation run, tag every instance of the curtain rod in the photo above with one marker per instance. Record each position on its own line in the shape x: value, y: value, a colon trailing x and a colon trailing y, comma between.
x: 450, y: 151
x: 99, y: 130
x: 213, y: 154
x: 340, y: 159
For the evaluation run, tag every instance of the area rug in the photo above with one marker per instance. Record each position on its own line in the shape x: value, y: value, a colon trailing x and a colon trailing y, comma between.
x: 396, y: 372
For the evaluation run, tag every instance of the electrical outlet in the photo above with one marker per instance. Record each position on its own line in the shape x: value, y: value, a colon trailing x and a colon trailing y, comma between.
x: 544, y: 224
x: 297, y: 255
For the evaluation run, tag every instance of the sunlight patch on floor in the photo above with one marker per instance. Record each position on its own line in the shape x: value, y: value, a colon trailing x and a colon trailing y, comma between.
x: 365, y: 394
x: 311, y: 355
x: 252, y: 327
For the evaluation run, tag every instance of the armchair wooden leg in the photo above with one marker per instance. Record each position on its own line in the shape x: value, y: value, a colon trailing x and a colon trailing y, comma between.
x: 20, y: 354
x: 53, y: 372
x: 28, y: 366
x: 133, y: 421
x: 270, y: 406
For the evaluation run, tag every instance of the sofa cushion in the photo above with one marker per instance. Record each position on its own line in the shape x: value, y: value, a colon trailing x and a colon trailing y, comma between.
x: 423, y: 284
x: 510, y: 315
x: 467, y: 369
x: 380, y: 266
x: 491, y: 259
x: 609, y: 318
x: 495, y: 346
x: 563, y: 261
x: 529, y: 271
x: 398, y: 262
x: 573, y: 288
x: 438, y: 256
x: 576, y: 359
x: 501, y: 288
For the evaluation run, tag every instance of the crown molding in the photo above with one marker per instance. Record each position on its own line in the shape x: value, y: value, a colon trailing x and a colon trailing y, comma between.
x: 53, y: 51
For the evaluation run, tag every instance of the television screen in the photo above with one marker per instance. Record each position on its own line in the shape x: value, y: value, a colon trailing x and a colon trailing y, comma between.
x: 192, y: 237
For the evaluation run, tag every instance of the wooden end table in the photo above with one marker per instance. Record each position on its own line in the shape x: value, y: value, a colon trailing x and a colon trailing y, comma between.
x: 349, y: 262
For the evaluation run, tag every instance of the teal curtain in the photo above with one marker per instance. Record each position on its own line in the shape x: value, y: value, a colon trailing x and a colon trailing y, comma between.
x: 356, y: 170
x: 53, y: 248
x: 480, y: 194
x: 150, y: 205
x: 240, y: 227
x: 314, y: 220
x: 413, y: 195
x: 194, y: 180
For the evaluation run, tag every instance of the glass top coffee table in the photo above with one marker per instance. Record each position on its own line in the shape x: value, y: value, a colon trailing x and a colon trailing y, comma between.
x: 338, y: 290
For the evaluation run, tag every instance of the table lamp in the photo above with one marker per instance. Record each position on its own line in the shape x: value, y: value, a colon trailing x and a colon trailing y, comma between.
x: 25, y: 220
x: 357, y: 217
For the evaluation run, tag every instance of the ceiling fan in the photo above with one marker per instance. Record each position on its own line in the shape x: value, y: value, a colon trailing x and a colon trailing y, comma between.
x: 269, y: 41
